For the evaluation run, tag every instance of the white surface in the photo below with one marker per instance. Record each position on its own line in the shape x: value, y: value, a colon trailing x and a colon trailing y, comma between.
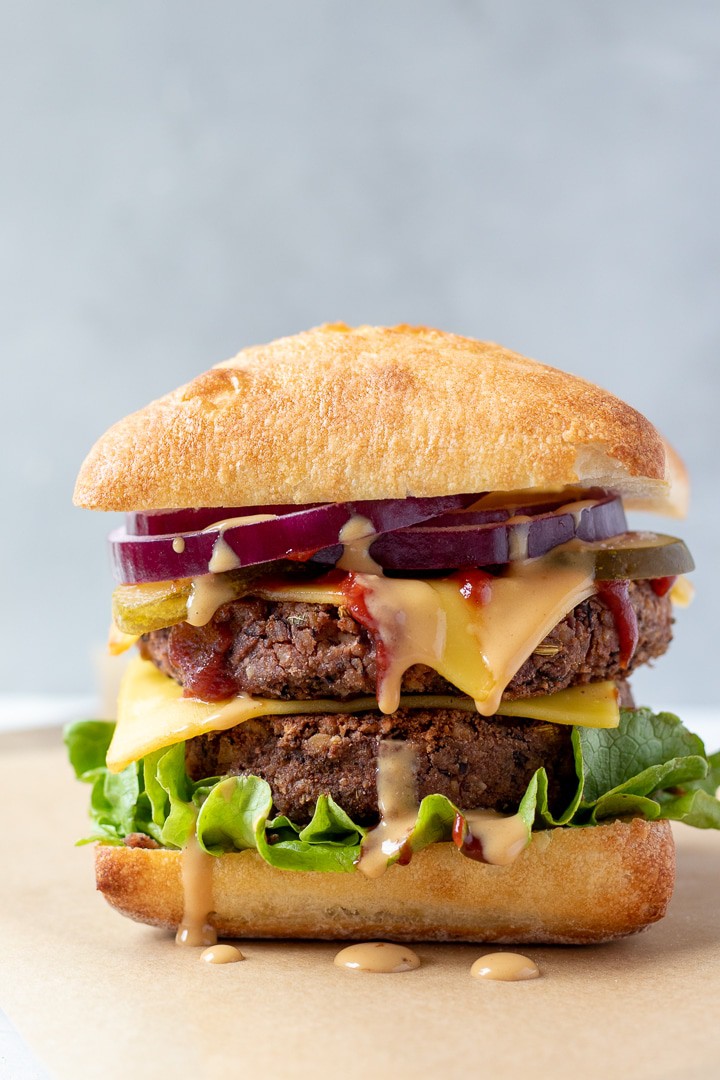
x: 16, y: 1061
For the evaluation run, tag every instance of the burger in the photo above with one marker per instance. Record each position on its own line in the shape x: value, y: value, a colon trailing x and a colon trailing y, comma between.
x: 385, y: 605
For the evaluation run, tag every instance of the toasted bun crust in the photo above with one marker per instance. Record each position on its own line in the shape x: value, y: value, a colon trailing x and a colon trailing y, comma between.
x: 570, y: 886
x: 336, y: 414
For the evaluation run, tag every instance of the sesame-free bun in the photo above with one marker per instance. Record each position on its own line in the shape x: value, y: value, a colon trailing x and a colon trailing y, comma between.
x: 569, y: 886
x: 336, y: 414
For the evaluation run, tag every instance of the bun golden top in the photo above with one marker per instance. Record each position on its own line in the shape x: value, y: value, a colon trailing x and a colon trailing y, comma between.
x: 336, y: 414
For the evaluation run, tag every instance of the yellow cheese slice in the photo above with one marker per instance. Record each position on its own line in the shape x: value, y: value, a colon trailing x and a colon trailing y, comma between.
x: 118, y: 641
x: 152, y: 712
x: 682, y: 593
x: 477, y: 647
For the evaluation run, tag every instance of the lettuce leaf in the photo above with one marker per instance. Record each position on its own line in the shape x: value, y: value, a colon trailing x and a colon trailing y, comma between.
x: 649, y: 766
x: 119, y: 803
x: 643, y: 740
x: 235, y: 816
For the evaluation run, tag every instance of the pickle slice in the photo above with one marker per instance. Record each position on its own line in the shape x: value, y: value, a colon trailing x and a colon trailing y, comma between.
x: 138, y: 609
x: 634, y: 555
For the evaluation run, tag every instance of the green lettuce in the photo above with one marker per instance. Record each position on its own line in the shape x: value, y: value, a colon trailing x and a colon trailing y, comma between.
x: 650, y: 766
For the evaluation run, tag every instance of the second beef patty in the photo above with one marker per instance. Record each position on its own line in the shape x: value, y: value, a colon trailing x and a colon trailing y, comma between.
x: 476, y: 762
x: 291, y: 650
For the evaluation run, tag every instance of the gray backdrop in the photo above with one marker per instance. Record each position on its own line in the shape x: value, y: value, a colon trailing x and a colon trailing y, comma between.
x: 182, y: 179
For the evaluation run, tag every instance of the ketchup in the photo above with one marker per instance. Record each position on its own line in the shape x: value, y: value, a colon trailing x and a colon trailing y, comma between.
x: 354, y: 594
x: 406, y: 854
x: 616, y: 596
x: 474, y: 585
x: 463, y: 839
x: 200, y: 653
x: 661, y: 586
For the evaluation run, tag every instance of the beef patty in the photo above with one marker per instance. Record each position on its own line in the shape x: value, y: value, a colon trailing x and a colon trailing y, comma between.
x: 298, y: 651
x: 477, y: 762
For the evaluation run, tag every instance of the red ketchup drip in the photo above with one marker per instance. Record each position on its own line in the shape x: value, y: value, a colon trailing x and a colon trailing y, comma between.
x: 201, y: 654
x: 406, y: 854
x: 355, y: 599
x: 616, y: 596
x: 661, y: 586
x: 474, y: 585
x: 463, y: 839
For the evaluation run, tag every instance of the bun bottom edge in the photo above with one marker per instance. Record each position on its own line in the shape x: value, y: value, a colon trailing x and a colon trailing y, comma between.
x: 569, y: 886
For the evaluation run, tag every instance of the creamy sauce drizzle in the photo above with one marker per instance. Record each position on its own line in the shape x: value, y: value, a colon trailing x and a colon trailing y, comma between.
x: 490, y: 837
x: 197, y: 867
x: 505, y: 967
x: 178, y: 545
x: 412, y: 626
x: 223, y: 557
x: 221, y: 954
x: 356, y: 536
x: 416, y: 623
x: 207, y: 594
x: 377, y: 956
x: 524, y: 606
x: 576, y: 509
x: 518, y: 537
x: 398, y: 804
x: 477, y: 643
x: 210, y: 591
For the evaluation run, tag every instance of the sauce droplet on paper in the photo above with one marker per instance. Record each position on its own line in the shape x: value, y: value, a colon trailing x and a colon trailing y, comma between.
x: 505, y: 967
x: 378, y: 956
x: 222, y: 954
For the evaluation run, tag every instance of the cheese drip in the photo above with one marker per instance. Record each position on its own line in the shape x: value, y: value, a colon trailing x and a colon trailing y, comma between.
x: 477, y: 647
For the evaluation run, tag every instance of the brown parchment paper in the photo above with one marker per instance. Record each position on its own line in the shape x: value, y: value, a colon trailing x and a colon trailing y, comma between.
x: 96, y: 996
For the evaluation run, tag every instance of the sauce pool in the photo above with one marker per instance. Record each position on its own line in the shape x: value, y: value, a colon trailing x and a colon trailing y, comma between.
x: 381, y: 957
x: 505, y: 967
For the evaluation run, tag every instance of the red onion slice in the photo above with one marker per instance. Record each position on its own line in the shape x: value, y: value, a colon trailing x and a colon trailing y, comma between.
x: 176, y: 522
x: 142, y: 558
x: 490, y: 516
x: 444, y: 547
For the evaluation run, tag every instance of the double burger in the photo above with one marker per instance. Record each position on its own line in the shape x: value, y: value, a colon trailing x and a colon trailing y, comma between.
x: 384, y: 607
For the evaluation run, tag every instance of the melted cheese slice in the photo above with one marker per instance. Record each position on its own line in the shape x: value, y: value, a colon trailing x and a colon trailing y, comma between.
x: 477, y: 647
x: 152, y: 712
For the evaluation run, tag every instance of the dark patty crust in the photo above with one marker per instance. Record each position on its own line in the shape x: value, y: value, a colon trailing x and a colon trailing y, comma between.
x: 298, y: 651
x: 476, y: 762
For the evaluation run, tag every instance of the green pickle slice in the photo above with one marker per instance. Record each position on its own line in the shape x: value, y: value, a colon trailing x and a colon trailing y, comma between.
x: 138, y: 609
x: 634, y: 555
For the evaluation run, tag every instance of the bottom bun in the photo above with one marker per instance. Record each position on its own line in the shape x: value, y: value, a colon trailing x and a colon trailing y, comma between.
x: 569, y: 886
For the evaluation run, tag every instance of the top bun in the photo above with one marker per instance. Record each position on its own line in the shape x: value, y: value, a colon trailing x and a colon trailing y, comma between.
x: 336, y: 414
